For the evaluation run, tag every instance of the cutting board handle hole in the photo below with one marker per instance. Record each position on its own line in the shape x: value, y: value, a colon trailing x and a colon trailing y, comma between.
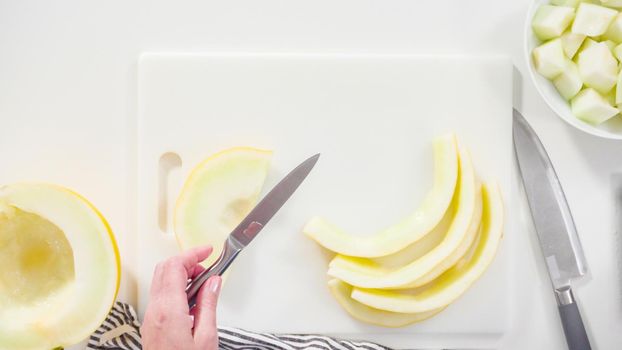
x: 169, y: 182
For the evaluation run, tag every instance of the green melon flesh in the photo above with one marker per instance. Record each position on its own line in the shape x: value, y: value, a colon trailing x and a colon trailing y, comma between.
x: 614, y: 32
x: 571, y: 43
x: 36, y: 258
x: 598, y: 67
x: 550, y: 21
x: 592, y: 20
x: 612, y: 3
x: 549, y: 59
x: 592, y: 107
x: 569, y: 82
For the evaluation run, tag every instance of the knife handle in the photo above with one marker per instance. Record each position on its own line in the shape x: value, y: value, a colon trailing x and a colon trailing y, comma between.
x: 576, y: 336
x: 229, y: 252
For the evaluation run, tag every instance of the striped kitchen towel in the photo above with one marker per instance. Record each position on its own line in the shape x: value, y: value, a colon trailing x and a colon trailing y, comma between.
x: 121, y: 331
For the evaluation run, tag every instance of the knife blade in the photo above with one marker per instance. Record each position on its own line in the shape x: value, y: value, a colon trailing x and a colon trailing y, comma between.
x: 252, y: 224
x: 554, y: 225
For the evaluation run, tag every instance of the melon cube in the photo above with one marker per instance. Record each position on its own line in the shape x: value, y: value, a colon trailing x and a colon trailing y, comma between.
x: 610, y: 97
x: 610, y: 44
x: 612, y: 3
x: 592, y: 107
x: 618, y: 99
x: 617, y: 52
x: 548, y: 58
x: 569, y: 82
x: 550, y: 21
x: 592, y: 20
x: 571, y: 3
x: 614, y: 32
x: 571, y: 43
x: 597, y: 67
x: 587, y: 43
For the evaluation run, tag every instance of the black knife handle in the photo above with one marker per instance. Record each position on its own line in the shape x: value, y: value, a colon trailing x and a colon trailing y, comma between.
x: 576, y: 336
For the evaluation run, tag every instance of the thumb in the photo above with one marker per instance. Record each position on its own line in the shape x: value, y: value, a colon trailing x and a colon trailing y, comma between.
x: 205, y: 331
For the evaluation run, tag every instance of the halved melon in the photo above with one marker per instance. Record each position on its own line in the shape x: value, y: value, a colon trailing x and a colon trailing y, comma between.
x: 365, y: 273
x: 455, y: 281
x: 341, y: 292
x: 218, y: 194
x: 60, y: 267
x: 409, y: 230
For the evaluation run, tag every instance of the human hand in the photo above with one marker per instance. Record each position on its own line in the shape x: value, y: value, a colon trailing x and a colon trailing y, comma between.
x: 169, y: 323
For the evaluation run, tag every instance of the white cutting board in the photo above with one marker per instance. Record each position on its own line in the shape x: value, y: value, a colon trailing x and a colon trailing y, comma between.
x: 373, y: 119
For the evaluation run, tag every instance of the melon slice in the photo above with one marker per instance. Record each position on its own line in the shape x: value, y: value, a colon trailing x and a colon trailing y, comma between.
x: 409, y: 230
x: 341, y: 292
x: 453, y: 283
x: 592, y: 20
x: 218, y: 194
x: 60, y: 267
x: 366, y: 273
x: 459, y: 253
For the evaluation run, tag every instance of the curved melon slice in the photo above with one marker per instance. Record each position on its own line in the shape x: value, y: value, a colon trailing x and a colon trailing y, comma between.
x: 453, y: 283
x: 341, y: 292
x: 409, y: 230
x: 60, y: 267
x: 459, y: 253
x: 366, y: 273
x: 218, y: 194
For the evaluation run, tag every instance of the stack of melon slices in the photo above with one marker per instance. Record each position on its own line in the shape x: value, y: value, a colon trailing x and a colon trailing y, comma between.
x: 470, y: 216
x: 580, y: 53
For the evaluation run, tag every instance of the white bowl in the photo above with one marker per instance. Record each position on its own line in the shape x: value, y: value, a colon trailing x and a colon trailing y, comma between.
x: 612, y: 129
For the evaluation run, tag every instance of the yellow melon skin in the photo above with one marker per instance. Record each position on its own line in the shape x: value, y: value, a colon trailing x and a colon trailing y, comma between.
x: 454, y: 282
x: 64, y: 267
x: 366, y: 273
x: 409, y: 230
x: 341, y: 292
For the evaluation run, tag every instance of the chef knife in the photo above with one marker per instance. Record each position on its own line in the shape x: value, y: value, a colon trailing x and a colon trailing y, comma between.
x: 252, y: 224
x: 556, y: 231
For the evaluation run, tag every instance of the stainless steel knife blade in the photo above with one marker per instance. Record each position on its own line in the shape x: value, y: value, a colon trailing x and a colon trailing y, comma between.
x: 252, y: 224
x: 272, y: 202
x: 556, y: 231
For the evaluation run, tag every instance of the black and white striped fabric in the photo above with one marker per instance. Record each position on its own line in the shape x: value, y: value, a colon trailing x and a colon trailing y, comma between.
x: 121, y: 331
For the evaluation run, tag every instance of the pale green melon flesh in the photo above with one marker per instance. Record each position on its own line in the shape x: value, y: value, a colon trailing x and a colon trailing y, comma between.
x: 35, y: 256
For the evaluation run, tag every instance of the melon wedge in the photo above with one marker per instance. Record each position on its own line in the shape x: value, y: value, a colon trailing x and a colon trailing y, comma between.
x: 217, y: 195
x: 341, y: 292
x: 60, y: 267
x: 460, y: 252
x: 366, y: 273
x: 407, y: 231
x: 453, y: 283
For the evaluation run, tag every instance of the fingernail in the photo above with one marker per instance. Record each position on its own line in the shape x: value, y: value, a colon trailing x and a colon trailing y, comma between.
x: 214, y: 284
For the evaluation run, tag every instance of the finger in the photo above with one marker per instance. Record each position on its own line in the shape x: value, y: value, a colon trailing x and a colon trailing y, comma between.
x: 192, y: 257
x: 156, y: 280
x: 197, y: 271
x: 205, y: 331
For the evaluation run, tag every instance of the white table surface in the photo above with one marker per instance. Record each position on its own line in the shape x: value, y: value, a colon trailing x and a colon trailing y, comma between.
x: 68, y: 106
